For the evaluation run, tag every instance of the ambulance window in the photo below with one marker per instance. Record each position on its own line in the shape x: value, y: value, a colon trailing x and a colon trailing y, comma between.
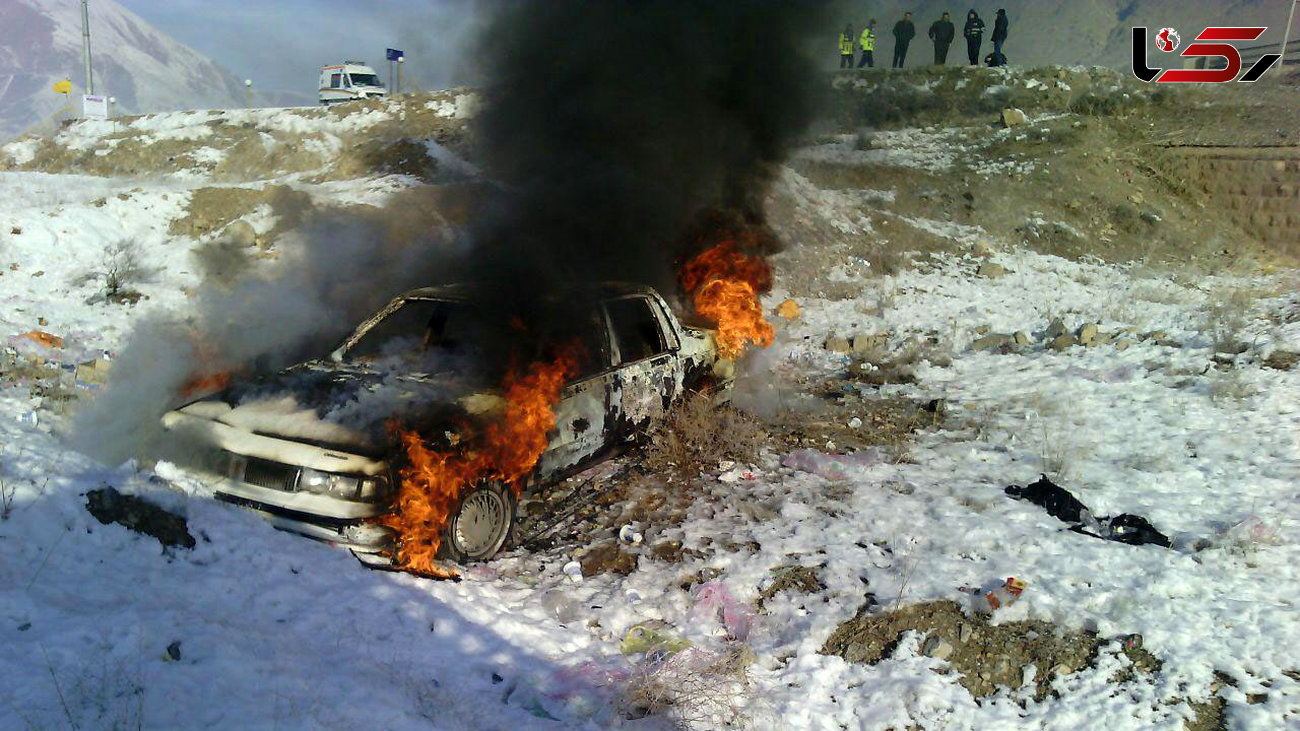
x: 336, y: 80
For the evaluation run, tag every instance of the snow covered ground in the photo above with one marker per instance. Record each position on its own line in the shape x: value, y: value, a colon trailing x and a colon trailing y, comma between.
x: 257, y: 629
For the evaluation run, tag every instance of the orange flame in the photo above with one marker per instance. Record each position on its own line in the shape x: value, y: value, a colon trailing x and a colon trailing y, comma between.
x: 506, y: 450
x: 206, y: 383
x: 724, y: 285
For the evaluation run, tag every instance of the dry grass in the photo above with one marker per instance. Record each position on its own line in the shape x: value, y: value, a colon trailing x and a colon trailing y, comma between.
x: 1227, y: 314
x: 698, y: 434
x: 693, y: 688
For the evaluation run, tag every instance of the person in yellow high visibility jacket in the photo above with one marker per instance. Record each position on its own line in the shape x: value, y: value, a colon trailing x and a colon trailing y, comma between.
x: 868, y: 41
x: 846, y: 47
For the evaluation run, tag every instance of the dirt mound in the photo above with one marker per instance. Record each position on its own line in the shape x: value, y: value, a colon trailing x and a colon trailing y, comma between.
x: 986, y: 656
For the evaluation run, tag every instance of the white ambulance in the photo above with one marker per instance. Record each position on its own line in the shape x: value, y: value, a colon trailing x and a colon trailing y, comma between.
x: 347, y: 81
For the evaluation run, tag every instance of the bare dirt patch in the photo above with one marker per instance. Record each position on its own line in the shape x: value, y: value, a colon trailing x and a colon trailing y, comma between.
x: 985, y: 656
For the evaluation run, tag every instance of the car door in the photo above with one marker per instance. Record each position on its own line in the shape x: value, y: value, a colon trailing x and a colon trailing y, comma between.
x: 582, y: 418
x: 647, y: 373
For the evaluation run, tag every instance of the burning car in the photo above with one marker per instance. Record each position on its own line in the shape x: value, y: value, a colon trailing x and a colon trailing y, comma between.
x: 396, y: 433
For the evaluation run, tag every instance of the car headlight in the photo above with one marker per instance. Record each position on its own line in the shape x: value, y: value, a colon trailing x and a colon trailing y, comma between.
x: 346, y: 487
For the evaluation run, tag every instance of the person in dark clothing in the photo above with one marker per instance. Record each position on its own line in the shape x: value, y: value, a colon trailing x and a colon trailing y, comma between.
x: 942, y: 32
x: 846, y: 47
x: 1000, y: 36
x: 974, y: 33
x: 904, y: 32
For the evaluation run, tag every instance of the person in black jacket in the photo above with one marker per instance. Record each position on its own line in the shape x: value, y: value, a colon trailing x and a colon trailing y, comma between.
x: 974, y: 32
x: 1000, y: 36
x: 904, y: 32
x: 942, y: 32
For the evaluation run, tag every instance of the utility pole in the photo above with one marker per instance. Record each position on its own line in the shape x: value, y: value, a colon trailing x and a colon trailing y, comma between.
x: 1286, y: 36
x: 248, y: 93
x: 401, y: 61
x: 85, y: 44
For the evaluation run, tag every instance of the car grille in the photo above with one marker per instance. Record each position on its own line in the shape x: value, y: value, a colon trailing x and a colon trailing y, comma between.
x: 273, y: 475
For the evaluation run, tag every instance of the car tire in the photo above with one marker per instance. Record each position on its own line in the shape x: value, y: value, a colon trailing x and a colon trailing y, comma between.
x: 481, y: 524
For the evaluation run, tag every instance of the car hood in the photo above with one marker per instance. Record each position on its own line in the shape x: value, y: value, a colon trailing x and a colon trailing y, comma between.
x: 344, y: 406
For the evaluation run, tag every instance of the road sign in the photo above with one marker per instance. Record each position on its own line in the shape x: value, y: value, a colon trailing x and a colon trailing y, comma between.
x: 63, y: 87
x: 94, y: 107
x: 394, y: 54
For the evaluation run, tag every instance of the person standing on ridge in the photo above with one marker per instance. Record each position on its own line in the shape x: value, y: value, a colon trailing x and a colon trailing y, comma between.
x: 868, y: 46
x: 974, y: 32
x: 846, y: 47
x: 1000, y: 36
x: 941, y: 32
x: 904, y: 32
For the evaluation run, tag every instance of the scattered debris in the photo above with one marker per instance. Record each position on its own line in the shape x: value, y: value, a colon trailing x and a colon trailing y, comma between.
x: 43, y: 338
x: 833, y: 467
x: 651, y: 638
x: 1064, y: 506
x: 139, y: 515
x: 714, y: 601
x: 991, y: 600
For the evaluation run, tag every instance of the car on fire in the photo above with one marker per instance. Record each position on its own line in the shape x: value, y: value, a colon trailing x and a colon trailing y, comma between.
x: 305, y: 447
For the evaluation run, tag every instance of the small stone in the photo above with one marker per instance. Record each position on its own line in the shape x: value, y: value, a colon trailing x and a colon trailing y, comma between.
x: 1156, y: 335
x: 855, y: 423
x: 42, y: 321
x: 1056, y: 329
x: 1059, y: 670
x: 964, y: 633
x: 991, y: 342
x: 983, y: 330
x: 938, y: 648
x: 990, y: 270
x: 1021, y: 338
x: 788, y: 309
x: 1122, y: 345
x: 174, y: 651
x: 1102, y: 338
x: 837, y: 344
x: 1087, y: 333
x: 1064, y: 342
x: 1136, y: 199
x: 1012, y: 117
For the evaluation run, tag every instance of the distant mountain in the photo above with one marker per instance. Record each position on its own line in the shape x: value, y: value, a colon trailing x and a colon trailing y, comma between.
x: 147, y: 71
x: 1068, y: 32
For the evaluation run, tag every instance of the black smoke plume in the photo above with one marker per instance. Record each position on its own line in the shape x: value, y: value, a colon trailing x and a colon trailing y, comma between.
x: 616, y: 125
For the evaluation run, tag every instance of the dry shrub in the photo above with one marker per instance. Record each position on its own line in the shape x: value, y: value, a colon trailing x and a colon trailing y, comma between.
x: 698, y: 434
x: 1227, y: 314
x: 693, y: 688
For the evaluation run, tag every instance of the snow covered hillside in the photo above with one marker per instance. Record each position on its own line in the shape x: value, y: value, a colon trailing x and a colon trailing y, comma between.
x: 943, y: 348
x: 40, y: 43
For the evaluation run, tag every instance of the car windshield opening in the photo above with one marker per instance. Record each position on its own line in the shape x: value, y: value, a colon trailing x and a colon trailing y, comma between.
x: 424, y: 336
x: 365, y: 80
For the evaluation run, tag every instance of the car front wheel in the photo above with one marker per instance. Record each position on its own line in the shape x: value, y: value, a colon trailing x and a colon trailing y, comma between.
x: 481, y: 524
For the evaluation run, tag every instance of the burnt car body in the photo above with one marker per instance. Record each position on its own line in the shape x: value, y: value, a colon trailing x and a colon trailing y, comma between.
x: 305, y: 448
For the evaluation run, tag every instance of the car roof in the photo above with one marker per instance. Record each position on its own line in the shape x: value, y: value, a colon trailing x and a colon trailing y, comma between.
x: 465, y: 290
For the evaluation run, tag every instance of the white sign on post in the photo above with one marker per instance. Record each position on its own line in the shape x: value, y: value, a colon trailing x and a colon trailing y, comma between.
x: 94, y: 107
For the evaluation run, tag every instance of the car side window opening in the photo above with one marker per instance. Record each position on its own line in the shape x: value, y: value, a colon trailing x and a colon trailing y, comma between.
x: 636, y: 329
x: 336, y: 81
